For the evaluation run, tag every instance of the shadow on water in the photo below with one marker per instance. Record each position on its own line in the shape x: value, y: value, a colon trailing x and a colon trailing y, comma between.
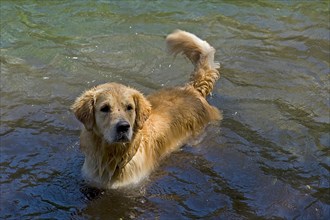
x: 282, y: 164
x: 239, y: 203
x: 119, y: 204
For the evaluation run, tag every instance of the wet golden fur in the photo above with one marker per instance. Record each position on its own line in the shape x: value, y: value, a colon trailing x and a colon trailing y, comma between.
x: 119, y: 155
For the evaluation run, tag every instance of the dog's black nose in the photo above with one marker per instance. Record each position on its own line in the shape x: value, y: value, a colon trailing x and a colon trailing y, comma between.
x: 123, y: 126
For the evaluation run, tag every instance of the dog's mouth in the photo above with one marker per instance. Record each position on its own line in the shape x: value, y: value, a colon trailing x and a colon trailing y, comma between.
x: 122, y: 138
x: 118, y: 138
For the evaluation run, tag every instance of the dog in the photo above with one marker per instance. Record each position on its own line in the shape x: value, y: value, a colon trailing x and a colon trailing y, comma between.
x: 126, y: 134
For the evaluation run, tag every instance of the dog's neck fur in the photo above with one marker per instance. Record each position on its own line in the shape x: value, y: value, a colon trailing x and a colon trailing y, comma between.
x: 107, y: 160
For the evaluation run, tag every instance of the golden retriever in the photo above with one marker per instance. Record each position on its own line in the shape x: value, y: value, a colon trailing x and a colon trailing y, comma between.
x: 126, y: 134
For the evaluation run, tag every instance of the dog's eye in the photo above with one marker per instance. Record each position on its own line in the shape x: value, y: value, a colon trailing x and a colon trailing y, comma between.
x: 105, y: 108
x: 129, y: 107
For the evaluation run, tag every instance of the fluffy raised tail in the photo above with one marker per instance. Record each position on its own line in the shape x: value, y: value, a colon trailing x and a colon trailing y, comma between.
x: 201, y: 54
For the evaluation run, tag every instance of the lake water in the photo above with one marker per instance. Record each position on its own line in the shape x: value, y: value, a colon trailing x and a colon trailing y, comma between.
x: 269, y: 158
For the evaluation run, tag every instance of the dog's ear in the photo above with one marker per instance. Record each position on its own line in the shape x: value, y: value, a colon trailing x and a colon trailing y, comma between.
x: 142, y: 108
x: 83, y: 108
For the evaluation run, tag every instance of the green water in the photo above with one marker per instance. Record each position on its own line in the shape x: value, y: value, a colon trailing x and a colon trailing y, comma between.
x: 269, y: 158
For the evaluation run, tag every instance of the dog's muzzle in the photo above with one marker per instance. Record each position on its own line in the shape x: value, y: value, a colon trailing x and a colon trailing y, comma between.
x: 123, y: 131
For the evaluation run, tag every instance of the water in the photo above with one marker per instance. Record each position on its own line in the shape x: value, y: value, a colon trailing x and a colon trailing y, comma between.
x: 269, y: 158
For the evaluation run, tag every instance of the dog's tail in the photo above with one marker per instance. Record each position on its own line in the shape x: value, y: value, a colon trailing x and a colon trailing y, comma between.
x: 201, y: 54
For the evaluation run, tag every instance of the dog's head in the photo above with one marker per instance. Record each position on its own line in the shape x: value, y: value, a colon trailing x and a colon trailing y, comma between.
x: 112, y: 111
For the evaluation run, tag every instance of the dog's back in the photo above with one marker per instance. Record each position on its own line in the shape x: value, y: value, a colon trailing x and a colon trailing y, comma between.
x: 180, y: 112
x: 185, y: 109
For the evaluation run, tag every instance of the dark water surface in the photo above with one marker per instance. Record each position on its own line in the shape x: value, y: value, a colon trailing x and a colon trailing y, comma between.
x: 269, y: 159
